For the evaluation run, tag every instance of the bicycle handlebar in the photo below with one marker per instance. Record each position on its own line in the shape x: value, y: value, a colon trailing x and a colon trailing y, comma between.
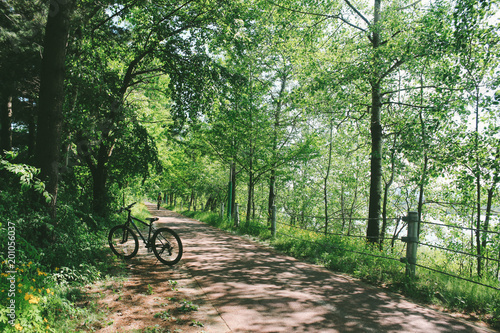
x: 126, y: 208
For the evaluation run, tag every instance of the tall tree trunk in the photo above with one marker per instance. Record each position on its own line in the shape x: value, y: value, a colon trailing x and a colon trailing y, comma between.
x: 99, y: 191
x: 51, y: 98
x: 478, y: 189
x: 5, y: 123
x: 375, y: 167
x: 277, y: 122
x: 426, y: 160
x: 272, y: 195
x: 373, y: 232
x: 386, y: 192
x: 231, y: 205
x: 250, y: 188
x: 328, y: 168
x: 32, y: 131
x: 342, y: 206
x: 489, y: 205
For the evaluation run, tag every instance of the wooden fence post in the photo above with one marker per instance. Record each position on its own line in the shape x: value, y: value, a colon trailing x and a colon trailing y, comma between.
x: 411, y: 241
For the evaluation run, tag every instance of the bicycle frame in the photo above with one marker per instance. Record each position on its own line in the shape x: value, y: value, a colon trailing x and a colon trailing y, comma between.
x: 130, y: 220
x: 164, y: 242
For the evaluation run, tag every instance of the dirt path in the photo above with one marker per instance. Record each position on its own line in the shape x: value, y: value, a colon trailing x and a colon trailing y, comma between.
x: 154, y: 298
x: 242, y: 286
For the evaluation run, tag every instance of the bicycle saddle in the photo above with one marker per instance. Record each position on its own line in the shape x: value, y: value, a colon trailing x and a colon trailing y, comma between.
x: 152, y: 219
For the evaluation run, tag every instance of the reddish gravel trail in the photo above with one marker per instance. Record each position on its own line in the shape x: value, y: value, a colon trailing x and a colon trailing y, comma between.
x: 256, y: 289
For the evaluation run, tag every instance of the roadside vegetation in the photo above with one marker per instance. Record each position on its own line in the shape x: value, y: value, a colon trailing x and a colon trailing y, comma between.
x: 45, y: 263
x: 364, y: 261
x: 340, y: 114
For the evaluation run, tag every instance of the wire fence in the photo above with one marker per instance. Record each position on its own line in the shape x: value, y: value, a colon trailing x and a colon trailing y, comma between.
x: 315, y: 224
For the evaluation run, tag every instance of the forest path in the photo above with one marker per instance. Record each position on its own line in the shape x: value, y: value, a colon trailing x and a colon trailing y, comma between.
x: 256, y: 289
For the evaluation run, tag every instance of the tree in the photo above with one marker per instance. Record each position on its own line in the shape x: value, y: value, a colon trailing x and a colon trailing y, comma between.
x: 50, y: 117
x: 21, y: 35
x: 131, y: 46
x: 477, y: 45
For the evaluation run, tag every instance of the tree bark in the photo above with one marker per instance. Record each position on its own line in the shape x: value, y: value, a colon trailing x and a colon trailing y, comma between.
x: 5, y: 123
x: 426, y: 161
x: 489, y: 205
x: 373, y: 232
x: 386, y: 192
x: 250, y: 186
x: 478, y: 189
x: 328, y: 168
x: 277, y: 122
x: 32, y: 131
x: 50, y: 119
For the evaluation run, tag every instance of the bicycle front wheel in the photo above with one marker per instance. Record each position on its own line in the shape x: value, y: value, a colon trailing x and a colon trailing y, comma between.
x: 123, y: 242
x: 167, y: 246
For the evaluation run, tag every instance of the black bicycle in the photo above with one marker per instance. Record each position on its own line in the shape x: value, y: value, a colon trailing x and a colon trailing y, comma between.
x: 164, y: 242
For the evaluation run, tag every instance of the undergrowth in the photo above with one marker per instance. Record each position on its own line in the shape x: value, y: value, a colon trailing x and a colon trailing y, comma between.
x: 44, y: 262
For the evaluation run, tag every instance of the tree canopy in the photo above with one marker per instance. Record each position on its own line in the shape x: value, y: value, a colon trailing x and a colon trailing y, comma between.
x: 329, y: 111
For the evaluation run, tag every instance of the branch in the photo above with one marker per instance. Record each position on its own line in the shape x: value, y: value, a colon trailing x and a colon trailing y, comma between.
x: 410, y: 105
x: 129, y: 74
x: 358, y: 12
x: 114, y: 15
x: 411, y: 5
x: 173, y: 12
x: 339, y: 17
x: 392, y: 68
x: 418, y: 88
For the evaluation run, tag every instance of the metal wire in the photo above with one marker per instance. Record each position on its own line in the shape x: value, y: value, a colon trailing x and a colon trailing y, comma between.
x: 332, y: 246
x: 458, y: 277
x: 341, y: 218
x: 340, y: 248
x: 458, y: 251
x: 329, y: 233
x: 459, y: 227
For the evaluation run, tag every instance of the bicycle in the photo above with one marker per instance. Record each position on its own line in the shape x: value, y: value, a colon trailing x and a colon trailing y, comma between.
x: 165, y: 243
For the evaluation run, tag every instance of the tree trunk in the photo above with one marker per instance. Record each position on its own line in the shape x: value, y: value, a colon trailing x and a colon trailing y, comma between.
x: 426, y: 161
x: 272, y: 195
x: 250, y: 197
x: 328, y: 168
x: 373, y: 232
x: 272, y: 179
x: 5, y: 123
x: 32, y: 131
x: 386, y: 192
x: 250, y: 187
x: 478, y: 190
x: 342, y: 206
x: 99, y: 191
x: 50, y: 119
x: 232, y: 190
x: 489, y: 205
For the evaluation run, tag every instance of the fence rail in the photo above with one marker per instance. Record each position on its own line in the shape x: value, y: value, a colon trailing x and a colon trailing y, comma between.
x: 462, y: 228
x: 411, y: 241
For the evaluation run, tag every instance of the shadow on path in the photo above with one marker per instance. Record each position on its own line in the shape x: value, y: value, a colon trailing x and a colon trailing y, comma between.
x: 256, y: 289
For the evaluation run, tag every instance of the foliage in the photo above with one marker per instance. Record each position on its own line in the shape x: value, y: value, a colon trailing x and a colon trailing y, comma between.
x: 27, y: 175
x: 319, y: 108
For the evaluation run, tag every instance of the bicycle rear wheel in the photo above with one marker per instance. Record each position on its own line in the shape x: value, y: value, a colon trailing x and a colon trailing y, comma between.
x: 123, y: 242
x: 167, y: 246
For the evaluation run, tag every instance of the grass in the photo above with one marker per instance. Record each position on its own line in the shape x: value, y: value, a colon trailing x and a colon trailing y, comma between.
x: 347, y: 256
